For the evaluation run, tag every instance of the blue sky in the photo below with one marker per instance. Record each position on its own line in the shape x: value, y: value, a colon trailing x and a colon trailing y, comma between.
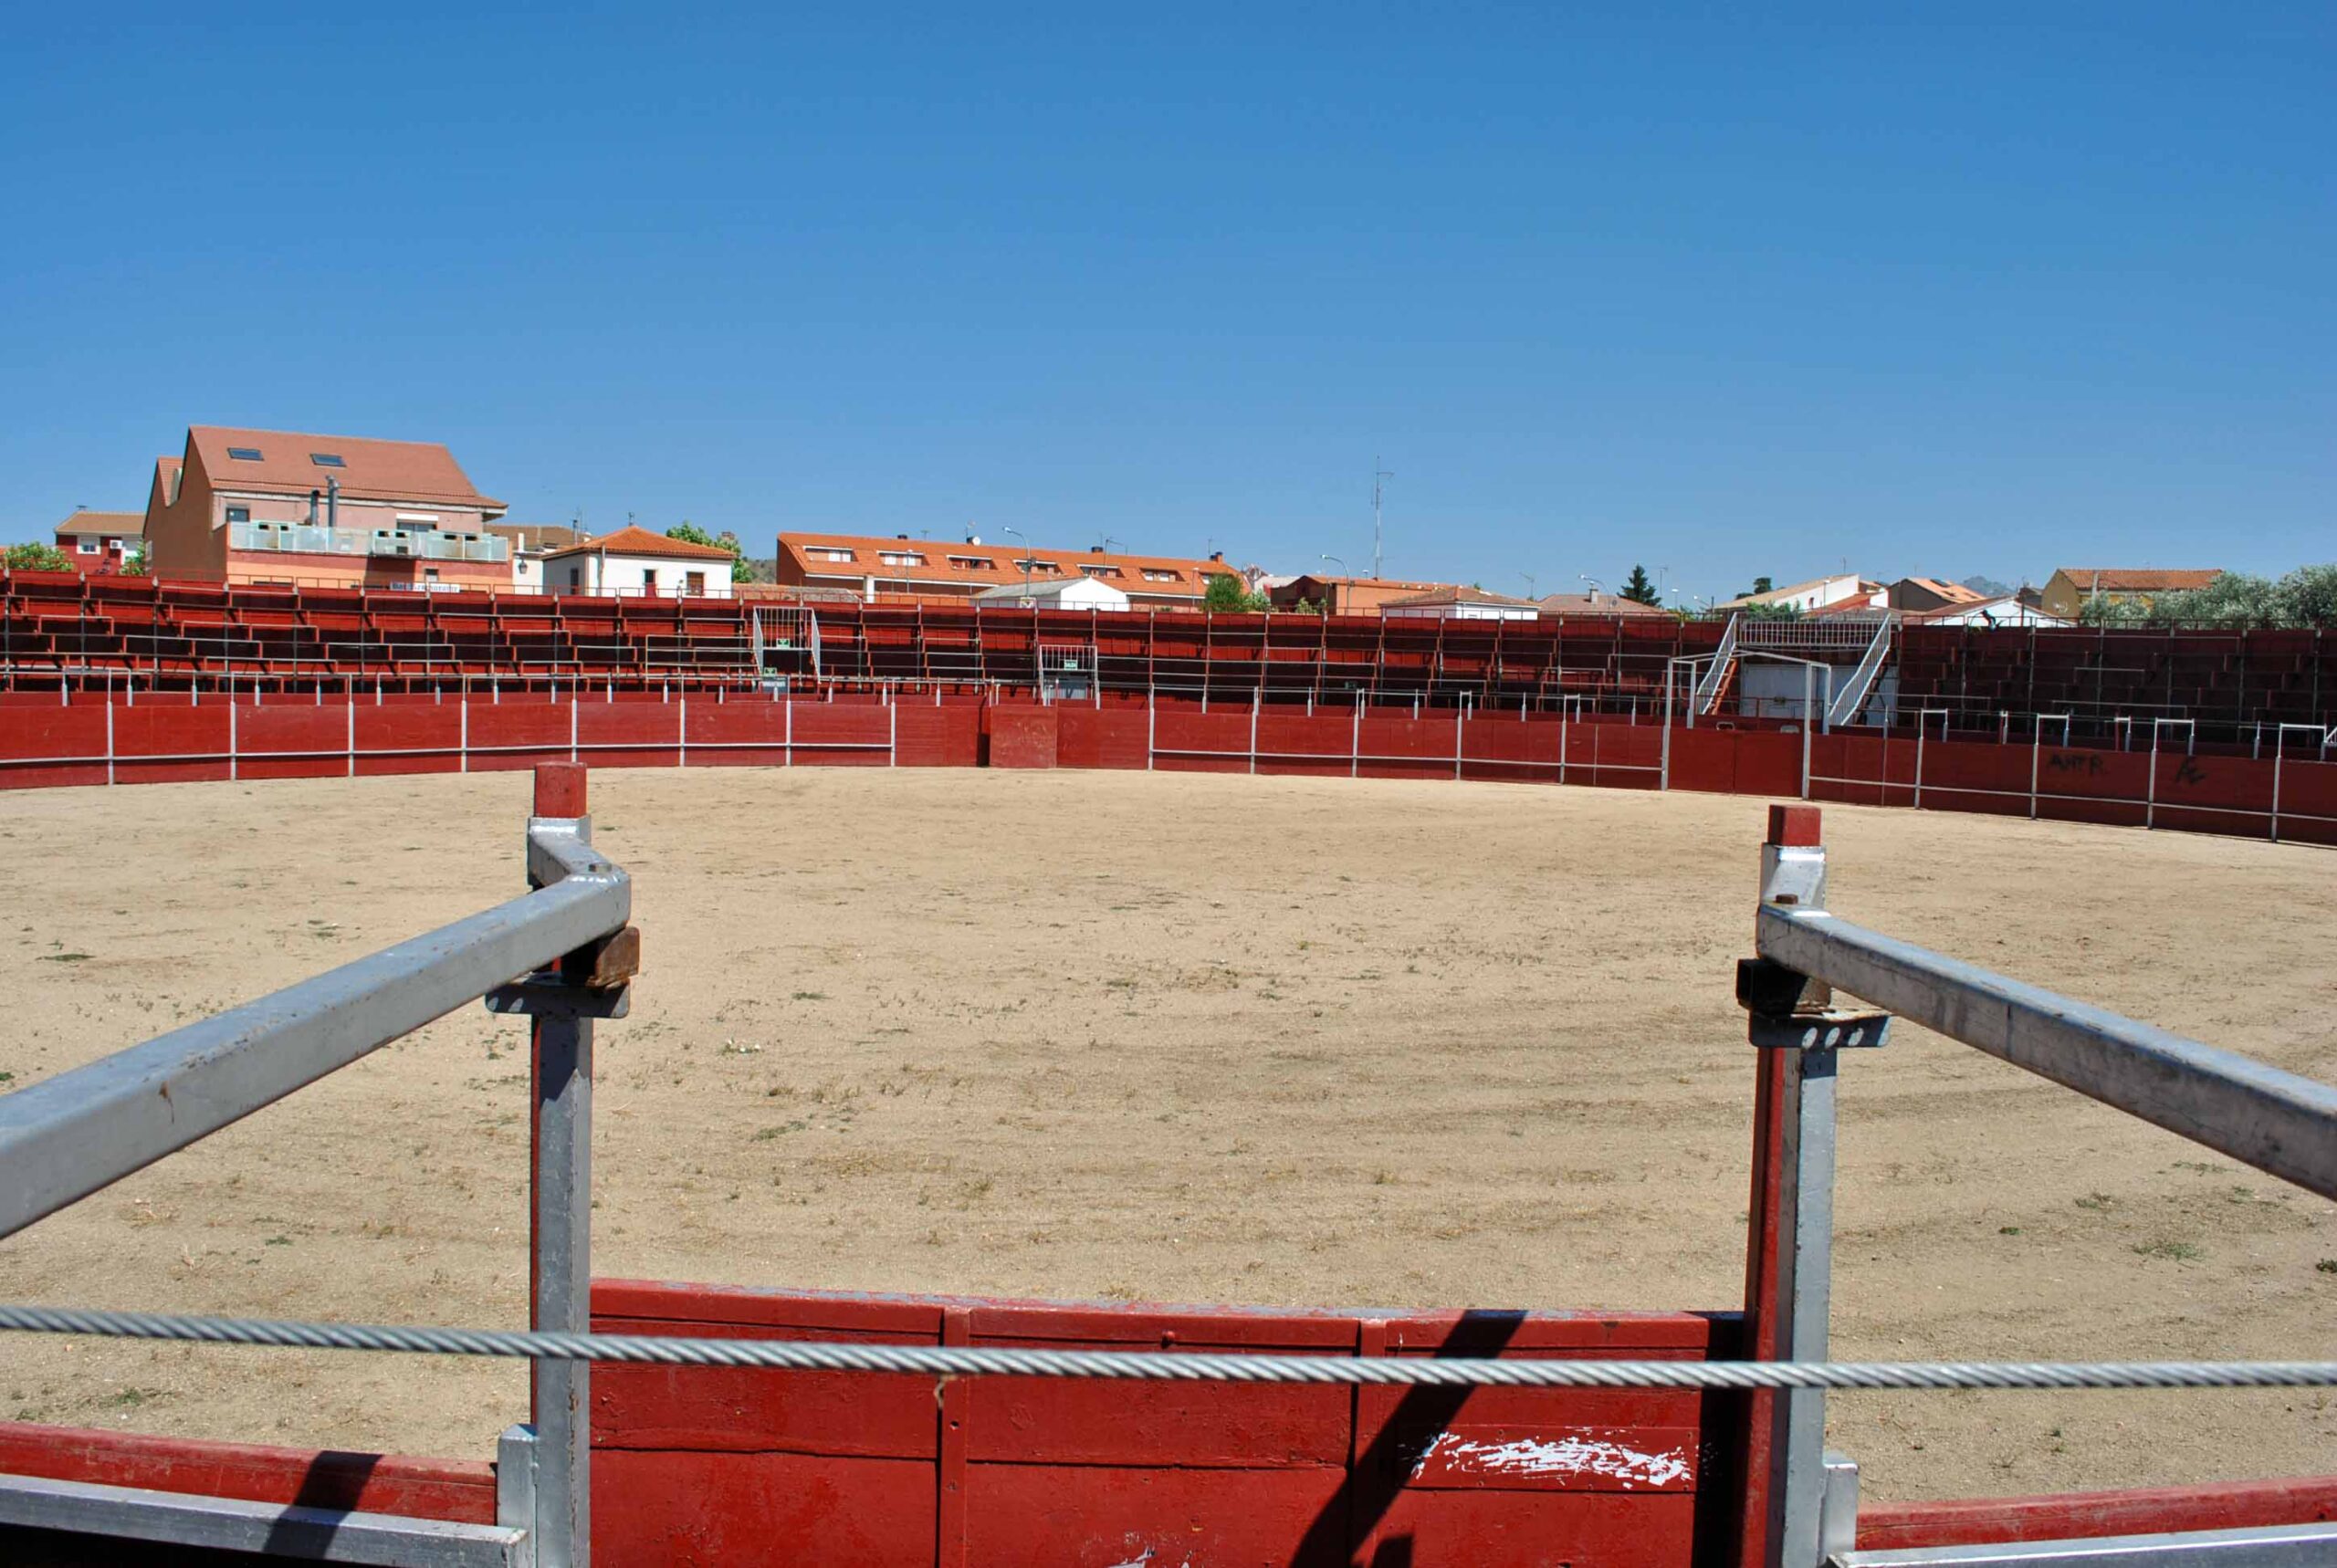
x: 1980, y: 293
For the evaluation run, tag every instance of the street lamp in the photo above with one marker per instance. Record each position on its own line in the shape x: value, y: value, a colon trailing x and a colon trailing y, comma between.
x: 1335, y: 589
x: 1596, y: 586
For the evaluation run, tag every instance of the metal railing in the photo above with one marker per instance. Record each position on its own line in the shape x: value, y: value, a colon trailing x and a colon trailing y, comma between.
x: 566, y: 941
x: 1854, y: 692
x: 304, y: 538
x: 2278, y: 1122
x: 563, y: 955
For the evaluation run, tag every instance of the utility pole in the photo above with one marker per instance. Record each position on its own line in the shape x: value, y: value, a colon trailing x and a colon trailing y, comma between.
x: 1379, y: 477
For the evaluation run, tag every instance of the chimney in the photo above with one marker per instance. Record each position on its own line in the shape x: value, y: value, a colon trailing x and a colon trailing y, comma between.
x: 900, y: 536
x: 312, y: 508
x: 1095, y: 549
x: 1217, y: 555
x: 332, y: 502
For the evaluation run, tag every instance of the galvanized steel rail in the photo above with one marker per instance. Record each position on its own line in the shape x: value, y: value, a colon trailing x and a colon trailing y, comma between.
x: 67, y: 1136
x: 2283, y: 1125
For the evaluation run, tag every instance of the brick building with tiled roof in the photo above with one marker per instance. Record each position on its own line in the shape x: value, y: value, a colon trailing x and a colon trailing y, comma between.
x: 871, y: 567
x: 273, y: 506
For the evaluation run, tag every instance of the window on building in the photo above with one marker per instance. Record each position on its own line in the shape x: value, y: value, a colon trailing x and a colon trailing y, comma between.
x: 973, y: 563
x: 326, y: 460
x: 244, y: 453
x: 694, y: 584
x: 823, y: 552
x: 1038, y: 568
x: 1151, y: 575
x: 239, y: 513
x: 900, y: 557
x: 86, y: 546
x: 1101, y: 570
x: 575, y: 577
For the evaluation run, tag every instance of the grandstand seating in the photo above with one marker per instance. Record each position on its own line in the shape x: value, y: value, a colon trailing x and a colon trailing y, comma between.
x: 58, y: 629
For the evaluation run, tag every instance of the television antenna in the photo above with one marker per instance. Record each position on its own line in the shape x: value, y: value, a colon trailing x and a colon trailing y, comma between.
x: 1378, y: 477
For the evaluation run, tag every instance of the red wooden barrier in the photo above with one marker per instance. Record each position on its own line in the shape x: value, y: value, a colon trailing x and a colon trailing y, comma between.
x: 1023, y: 737
x: 2217, y: 790
x: 457, y: 1489
x: 703, y: 1464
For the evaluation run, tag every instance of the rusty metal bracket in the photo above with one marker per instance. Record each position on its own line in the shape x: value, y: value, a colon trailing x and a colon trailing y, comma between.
x: 593, y: 982
x: 1790, y: 1011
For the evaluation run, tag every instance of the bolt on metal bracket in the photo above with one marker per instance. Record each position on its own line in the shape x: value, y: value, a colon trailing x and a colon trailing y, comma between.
x: 1788, y: 1011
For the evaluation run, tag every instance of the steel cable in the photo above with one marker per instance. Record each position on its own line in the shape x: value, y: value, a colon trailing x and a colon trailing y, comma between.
x: 949, y: 1361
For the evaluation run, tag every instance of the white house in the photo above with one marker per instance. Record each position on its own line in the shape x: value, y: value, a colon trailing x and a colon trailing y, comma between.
x: 632, y: 562
x: 1847, y: 590
x: 2006, y: 611
x: 1455, y: 604
x: 530, y: 543
x: 1058, y: 593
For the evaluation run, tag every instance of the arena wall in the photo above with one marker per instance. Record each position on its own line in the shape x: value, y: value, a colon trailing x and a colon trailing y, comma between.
x: 184, y: 737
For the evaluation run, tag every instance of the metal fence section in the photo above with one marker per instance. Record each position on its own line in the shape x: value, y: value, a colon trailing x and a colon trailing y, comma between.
x: 2275, y: 1120
x: 563, y: 955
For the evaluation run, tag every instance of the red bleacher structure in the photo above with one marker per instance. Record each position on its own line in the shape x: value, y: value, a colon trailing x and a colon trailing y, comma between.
x: 100, y: 634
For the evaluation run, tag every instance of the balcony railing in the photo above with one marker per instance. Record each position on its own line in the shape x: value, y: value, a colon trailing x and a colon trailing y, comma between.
x: 301, y: 538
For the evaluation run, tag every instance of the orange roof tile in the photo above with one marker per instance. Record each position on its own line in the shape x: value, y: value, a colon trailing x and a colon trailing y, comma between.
x: 89, y: 522
x: 633, y: 541
x: 370, y: 469
x: 1453, y: 593
x: 967, y: 567
x: 2137, y: 580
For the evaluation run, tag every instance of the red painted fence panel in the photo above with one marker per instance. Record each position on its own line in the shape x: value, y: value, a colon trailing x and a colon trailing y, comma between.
x: 398, y: 737
x: 29, y: 735
x: 291, y: 741
x: 1100, y: 737
x: 701, y: 1464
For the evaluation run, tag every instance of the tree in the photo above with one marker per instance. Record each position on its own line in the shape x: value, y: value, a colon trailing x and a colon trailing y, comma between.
x: 2102, y: 610
x: 1760, y: 585
x: 1638, y: 590
x: 136, y: 564
x: 2234, y: 598
x: 1228, y: 593
x: 2308, y: 596
x: 36, y: 558
x: 689, y: 533
x: 1770, y: 612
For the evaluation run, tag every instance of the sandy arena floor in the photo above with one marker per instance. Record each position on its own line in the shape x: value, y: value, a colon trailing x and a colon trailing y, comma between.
x: 1180, y: 1039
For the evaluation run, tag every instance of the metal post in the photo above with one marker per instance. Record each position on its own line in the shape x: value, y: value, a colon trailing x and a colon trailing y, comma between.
x: 1921, y: 714
x: 2280, y: 745
x: 1663, y: 773
x: 560, y: 1240
x: 1808, y: 700
x: 1788, y: 1263
x: 2036, y: 756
